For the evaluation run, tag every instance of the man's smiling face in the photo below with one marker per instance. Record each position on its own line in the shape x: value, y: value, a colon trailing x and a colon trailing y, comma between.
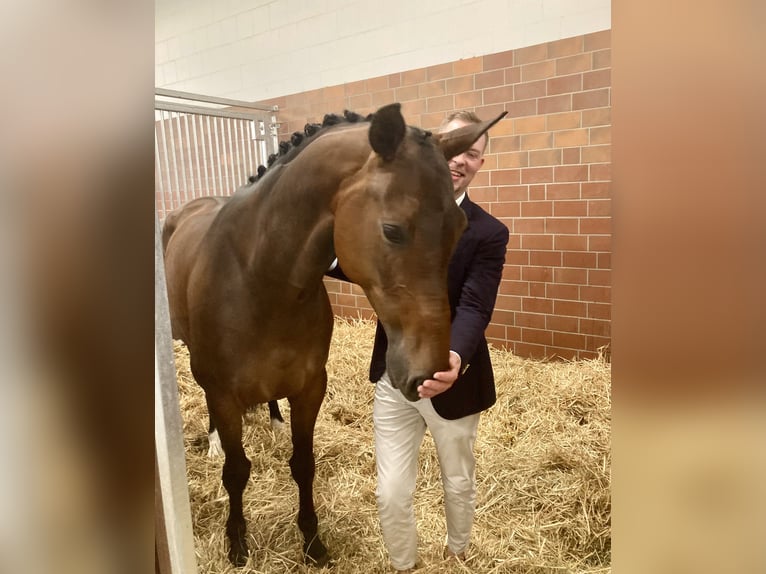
x: 465, y: 165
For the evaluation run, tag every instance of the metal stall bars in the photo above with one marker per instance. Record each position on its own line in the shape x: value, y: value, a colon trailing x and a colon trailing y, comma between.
x: 207, y: 147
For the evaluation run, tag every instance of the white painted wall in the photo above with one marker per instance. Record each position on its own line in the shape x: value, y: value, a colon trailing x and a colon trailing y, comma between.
x: 257, y: 49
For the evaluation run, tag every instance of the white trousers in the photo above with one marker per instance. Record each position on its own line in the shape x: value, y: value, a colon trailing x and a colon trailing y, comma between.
x: 399, y: 429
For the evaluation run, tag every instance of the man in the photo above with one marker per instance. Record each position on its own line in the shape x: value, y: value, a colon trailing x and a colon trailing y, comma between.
x: 451, y: 402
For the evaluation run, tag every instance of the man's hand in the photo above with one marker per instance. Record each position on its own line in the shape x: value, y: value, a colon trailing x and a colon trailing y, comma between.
x: 442, y: 380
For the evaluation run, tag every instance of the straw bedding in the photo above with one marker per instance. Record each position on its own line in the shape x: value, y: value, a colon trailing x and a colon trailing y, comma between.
x: 543, y: 465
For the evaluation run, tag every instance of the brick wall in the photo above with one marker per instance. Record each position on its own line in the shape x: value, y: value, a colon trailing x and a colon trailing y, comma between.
x: 546, y: 176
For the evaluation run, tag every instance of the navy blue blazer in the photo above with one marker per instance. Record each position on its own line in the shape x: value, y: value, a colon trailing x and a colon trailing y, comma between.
x: 473, y: 280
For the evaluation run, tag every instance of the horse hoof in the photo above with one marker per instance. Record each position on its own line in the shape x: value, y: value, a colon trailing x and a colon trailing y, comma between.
x: 237, y: 558
x: 316, y: 554
x: 238, y: 555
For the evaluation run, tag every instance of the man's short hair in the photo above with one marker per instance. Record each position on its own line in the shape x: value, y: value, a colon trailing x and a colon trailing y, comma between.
x: 469, y: 117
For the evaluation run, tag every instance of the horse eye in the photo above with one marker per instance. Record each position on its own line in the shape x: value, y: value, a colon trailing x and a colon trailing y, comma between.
x: 394, y: 233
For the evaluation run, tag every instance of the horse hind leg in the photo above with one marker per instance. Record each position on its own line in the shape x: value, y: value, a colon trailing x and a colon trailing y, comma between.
x: 236, y: 471
x: 303, y: 414
x: 275, y: 417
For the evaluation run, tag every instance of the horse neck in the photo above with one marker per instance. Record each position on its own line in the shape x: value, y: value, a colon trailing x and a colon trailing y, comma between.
x: 286, y: 220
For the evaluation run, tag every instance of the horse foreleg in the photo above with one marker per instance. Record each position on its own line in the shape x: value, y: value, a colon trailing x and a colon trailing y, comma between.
x: 236, y: 471
x: 214, y: 447
x: 303, y: 414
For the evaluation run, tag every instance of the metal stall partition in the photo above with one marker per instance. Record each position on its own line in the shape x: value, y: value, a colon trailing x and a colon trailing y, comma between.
x: 207, y: 146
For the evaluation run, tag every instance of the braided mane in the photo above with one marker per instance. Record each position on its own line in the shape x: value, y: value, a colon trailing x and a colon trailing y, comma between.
x: 299, y: 139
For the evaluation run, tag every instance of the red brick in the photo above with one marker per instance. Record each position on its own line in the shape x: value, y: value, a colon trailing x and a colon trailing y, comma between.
x: 600, y: 310
x: 440, y: 104
x: 527, y: 350
x: 498, y: 94
x: 563, y: 121
x: 536, y: 208
x: 557, y: 191
x: 571, y: 138
x: 559, y: 225
x: 467, y: 66
x: 504, y: 209
x: 545, y: 157
x: 537, y: 336
x: 590, y: 99
x: 597, y: 154
x: 569, y: 275
x: 572, y: 64
x: 565, y: 324
x: 512, y: 193
x: 564, y: 84
x: 563, y: 208
x: 601, y: 277
x: 514, y: 288
x: 536, y: 175
x: 539, y: 274
x: 571, y: 173
x: 537, y: 242
x: 537, y: 305
x: 439, y: 71
x: 529, y: 225
x: 565, y: 47
x: 431, y: 89
x: 534, y: 320
x: 514, y: 159
x: 538, y: 71
x: 411, y: 77
x: 536, y: 141
x: 457, y: 85
x: 598, y: 207
x: 483, y: 194
x: 597, y: 79
x: 553, y: 104
x: 570, y: 308
x: 568, y: 340
x: 571, y: 155
x: 543, y: 258
x: 489, y: 79
x: 530, y: 54
x: 600, y: 243
x: 596, y: 225
x: 512, y: 75
x: 571, y: 243
x: 407, y: 93
x: 505, y: 177
x: 597, y: 117
x: 537, y: 191
x: 498, y: 60
x: 600, y: 172
x: 597, y: 294
x: 596, y: 190
x: 468, y: 100
x: 578, y: 259
x: 518, y: 109
x: 604, y: 259
x: 602, y: 59
x: 597, y: 40
x: 560, y: 291
x: 505, y: 144
x: 537, y: 289
x: 527, y: 90
x: 527, y: 125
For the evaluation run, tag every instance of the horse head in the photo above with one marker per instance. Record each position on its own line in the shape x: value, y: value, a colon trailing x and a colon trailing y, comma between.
x: 396, y: 226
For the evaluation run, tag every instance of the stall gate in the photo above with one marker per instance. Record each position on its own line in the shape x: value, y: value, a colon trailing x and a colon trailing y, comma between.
x: 207, y: 147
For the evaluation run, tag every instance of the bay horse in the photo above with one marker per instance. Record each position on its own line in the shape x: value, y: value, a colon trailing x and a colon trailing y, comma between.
x: 244, y: 279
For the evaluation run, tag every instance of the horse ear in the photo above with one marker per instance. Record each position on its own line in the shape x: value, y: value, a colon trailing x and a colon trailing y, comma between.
x: 457, y: 141
x: 387, y: 131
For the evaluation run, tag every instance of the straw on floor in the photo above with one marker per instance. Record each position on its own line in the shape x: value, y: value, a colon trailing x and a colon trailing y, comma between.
x: 543, y: 470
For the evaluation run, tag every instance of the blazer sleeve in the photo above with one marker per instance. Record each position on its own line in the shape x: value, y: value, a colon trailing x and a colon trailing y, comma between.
x: 478, y: 294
